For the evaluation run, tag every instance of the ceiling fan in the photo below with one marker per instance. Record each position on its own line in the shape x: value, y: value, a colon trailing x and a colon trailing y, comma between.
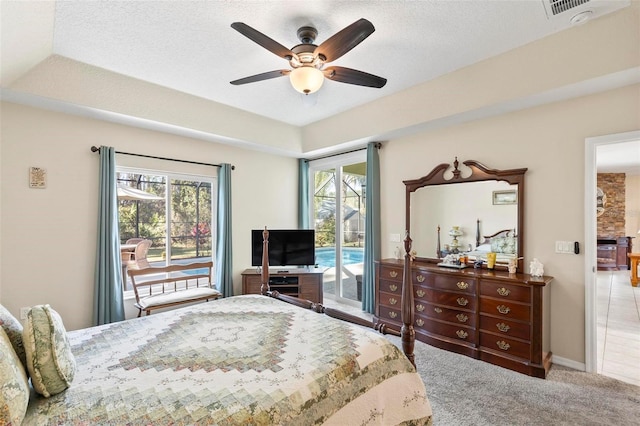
x: 307, y: 60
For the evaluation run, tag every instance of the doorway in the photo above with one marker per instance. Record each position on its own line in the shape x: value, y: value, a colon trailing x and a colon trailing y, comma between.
x: 606, y: 292
x: 338, y: 188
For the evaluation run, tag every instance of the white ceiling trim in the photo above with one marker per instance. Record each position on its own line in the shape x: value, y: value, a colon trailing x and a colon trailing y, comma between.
x: 588, y: 87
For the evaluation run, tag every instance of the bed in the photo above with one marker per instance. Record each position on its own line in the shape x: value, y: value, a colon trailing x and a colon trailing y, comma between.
x: 249, y: 359
x: 503, y: 243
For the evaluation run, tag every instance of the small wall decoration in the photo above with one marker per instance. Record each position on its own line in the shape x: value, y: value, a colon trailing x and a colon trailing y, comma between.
x: 505, y: 197
x: 37, y: 177
x: 601, y: 201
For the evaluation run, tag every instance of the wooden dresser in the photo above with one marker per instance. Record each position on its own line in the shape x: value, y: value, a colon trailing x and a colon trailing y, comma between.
x: 489, y: 315
x: 302, y: 283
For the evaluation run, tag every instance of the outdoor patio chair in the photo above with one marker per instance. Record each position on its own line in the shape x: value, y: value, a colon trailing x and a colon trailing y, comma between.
x: 139, y: 253
x: 127, y: 254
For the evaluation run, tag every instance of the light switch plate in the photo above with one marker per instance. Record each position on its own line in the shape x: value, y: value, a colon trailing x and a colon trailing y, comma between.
x: 565, y: 247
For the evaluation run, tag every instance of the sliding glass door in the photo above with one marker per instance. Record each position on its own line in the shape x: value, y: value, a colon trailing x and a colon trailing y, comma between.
x: 337, y: 214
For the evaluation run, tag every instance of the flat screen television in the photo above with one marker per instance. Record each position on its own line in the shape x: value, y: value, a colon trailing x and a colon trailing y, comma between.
x: 287, y: 247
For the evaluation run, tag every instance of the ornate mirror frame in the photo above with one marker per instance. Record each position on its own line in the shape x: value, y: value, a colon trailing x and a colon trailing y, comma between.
x: 479, y: 172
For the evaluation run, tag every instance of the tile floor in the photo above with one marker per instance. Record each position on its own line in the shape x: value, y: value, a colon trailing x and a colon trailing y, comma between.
x: 618, y: 326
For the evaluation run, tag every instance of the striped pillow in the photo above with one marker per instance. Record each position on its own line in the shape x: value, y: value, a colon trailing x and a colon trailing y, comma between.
x: 49, y: 359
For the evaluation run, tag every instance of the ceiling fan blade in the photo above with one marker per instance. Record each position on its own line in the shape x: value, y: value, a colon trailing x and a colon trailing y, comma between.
x: 351, y: 76
x: 264, y: 41
x: 260, y: 77
x: 344, y: 40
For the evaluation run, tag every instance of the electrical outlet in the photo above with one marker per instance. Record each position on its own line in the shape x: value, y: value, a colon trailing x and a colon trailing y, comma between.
x: 24, y: 312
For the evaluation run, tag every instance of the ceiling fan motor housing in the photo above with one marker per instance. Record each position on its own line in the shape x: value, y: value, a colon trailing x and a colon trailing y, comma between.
x: 305, y: 56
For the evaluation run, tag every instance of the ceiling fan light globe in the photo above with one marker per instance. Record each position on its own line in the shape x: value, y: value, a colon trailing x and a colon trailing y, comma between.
x: 306, y: 79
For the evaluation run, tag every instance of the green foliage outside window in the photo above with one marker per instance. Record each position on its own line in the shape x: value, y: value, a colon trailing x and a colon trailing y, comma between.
x: 190, y: 220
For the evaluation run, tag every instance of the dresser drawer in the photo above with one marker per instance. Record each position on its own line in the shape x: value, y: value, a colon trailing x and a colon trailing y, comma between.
x: 445, y: 314
x: 391, y: 287
x: 505, y: 291
x: 502, y: 326
x: 387, y: 313
x: 455, y: 300
x: 390, y: 300
x: 452, y: 331
x: 391, y: 273
x: 505, y: 345
x: 443, y: 282
x: 505, y: 309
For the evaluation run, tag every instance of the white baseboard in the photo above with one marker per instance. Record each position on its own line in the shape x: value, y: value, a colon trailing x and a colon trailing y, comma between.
x: 580, y: 366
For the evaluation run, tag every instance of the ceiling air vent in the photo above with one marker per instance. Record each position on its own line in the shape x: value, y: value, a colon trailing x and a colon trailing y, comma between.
x: 554, y: 7
x: 577, y: 11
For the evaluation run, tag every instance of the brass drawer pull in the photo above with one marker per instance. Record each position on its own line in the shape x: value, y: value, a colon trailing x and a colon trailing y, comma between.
x: 419, y: 322
x: 393, y: 301
x: 462, y: 334
x: 393, y: 274
x: 438, y: 310
x: 462, y: 285
x: 419, y: 308
x: 503, y: 345
x: 503, y: 309
x: 393, y: 287
x: 420, y: 278
x: 392, y: 314
x: 462, y: 301
x: 462, y: 317
x: 420, y: 293
x: 503, y: 291
x: 503, y: 327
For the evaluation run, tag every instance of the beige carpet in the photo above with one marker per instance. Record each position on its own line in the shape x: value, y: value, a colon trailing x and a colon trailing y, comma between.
x: 464, y: 391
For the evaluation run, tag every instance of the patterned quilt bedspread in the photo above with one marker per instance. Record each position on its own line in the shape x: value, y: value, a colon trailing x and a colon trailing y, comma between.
x: 240, y: 360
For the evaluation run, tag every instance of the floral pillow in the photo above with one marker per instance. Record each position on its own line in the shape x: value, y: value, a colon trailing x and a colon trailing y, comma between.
x: 49, y: 358
x: 14, y: 386
x: 503, y: 245
x: 13, y: 328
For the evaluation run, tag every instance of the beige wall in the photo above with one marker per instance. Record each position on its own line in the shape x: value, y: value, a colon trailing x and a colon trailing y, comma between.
x: 49, y: 235
x: 549, y: 141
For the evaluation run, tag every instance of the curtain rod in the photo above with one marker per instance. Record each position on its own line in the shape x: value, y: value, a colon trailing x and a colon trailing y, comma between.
x: 377, y: 145
x: 96, y: 149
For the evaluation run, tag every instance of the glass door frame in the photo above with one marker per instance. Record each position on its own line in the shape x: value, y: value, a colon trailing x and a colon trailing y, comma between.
x: 336, y: 162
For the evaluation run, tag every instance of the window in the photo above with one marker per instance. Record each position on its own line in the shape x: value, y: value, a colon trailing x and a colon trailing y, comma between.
x: 174, y: 212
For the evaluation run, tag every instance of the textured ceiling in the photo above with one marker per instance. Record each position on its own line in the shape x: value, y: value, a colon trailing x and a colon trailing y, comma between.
x: 189, y: 46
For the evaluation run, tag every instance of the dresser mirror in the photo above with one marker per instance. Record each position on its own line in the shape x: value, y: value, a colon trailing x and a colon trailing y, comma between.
x: 467, y: 209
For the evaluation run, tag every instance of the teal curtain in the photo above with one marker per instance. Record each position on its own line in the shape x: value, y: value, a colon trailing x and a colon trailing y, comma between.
x: 303, y: 194
x: 108, y: 303
x: 371, y: 228
x: 224, y: 254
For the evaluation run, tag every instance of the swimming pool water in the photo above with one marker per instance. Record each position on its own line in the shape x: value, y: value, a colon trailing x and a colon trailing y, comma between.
x: 326, y: 256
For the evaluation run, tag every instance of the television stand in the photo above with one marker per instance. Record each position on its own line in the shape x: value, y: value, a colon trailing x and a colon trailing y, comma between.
x: 305, y: 283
